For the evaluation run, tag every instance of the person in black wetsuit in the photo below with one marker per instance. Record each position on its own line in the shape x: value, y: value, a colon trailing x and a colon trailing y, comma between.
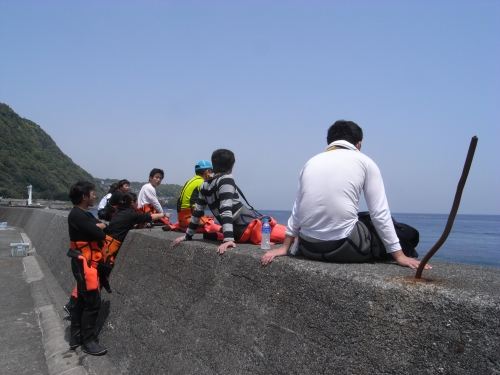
x: 87, y: 246
x: 125, y: 219
x: 116, y: 196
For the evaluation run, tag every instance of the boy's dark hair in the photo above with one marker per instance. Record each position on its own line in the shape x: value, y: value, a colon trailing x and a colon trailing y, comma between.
x: 123, y: 182
x: 344, y: 130
x: 155, y: 171
x: 113, y: 188
x: 128, y: 198
x: 78, y: 190
x: 222, y: 160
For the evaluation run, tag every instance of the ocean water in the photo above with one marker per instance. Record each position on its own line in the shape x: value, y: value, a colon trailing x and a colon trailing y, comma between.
x: 474, y: 239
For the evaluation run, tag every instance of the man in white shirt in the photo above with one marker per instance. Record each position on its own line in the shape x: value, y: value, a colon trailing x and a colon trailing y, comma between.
x: 325, y: 213
x: 147, y: 202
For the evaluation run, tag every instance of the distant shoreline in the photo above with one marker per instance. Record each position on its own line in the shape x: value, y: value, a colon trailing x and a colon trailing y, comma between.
x: 67, y: 205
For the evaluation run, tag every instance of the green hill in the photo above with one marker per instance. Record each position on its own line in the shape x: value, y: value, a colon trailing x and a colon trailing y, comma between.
x: 28, y: 155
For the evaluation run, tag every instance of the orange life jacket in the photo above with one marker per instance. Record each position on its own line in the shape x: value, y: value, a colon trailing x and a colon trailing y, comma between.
x: 253, y: 232
x: 112, y: 249
x: 146, y: 209
x: 206, y: 224
x: 184, y: 216
x: 92, y: 251
x: 149, y: 209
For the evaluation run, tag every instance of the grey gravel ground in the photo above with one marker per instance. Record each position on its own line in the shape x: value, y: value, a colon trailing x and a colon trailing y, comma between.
x: 33, y: 335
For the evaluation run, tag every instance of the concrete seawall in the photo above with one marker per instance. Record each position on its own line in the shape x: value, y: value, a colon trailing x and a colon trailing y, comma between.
x: 187, y: 310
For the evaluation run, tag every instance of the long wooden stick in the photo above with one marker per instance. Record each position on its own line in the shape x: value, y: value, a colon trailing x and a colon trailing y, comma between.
x: 454, y: 208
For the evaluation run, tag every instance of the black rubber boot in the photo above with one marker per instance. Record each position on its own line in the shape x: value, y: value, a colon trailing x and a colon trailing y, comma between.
x: 70, y: 305
x: 93, y: 348
x: 76, y: 337
x: 75, y: 341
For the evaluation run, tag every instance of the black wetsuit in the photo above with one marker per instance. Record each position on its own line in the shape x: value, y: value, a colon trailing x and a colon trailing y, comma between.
x: 82, y: 228
x: 124, y: 220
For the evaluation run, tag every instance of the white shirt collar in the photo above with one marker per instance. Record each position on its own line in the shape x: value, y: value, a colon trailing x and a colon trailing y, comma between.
x: 342, y: 143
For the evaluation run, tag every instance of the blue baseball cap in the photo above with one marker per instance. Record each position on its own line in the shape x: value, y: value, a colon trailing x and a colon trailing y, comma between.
x: 202, y: 164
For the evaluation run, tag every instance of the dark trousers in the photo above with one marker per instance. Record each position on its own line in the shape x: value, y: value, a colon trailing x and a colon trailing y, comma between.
x: 354, y: 249
x: 86, y: 310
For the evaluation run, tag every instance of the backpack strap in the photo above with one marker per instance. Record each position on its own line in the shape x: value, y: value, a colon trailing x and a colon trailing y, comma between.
x: 249, y: 205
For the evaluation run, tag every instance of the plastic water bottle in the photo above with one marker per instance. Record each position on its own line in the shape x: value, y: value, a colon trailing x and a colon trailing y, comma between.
x: 266, y: 235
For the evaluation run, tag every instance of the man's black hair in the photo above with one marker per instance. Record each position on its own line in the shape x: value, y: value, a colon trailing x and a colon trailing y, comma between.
x: 128, y: 198
x: 78, y: 190
x: 155, y: 171
x: 200, y: 172
x: 222, y: 160
x: 344, y: 130
x: 123, y: 182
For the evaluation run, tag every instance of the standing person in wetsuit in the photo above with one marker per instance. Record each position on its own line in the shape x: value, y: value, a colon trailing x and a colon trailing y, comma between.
x: 125, y: 219
x: 87, y: 246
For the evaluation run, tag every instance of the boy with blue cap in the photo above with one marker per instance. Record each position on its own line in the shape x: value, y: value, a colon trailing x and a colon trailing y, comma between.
x: 189, y: 193
x: 187, y: 201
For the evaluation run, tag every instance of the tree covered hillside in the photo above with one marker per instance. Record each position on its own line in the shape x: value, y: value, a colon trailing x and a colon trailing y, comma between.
x: 29, y: 156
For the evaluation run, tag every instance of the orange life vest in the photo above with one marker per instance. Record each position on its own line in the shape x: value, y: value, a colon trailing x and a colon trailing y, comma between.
x: 149, y: 209
x: 112, y: 249
x: 206, y: 224
x: 253, y: 232
x: 92, y: 251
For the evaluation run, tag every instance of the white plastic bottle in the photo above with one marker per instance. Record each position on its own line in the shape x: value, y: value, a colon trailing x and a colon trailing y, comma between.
x: 266, y: 235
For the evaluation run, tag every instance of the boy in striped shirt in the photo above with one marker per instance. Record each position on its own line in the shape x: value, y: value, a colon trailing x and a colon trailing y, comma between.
x: 219, y: 193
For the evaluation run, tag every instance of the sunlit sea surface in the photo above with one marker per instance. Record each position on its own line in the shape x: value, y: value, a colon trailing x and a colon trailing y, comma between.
x: 474, y: 239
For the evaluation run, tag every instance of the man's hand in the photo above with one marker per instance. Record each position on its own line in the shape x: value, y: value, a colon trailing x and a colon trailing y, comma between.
x: 405, y: 261
x: 101, y: 225
x: 222, y: 248
x: 271, y: 254
x: 280, y: 251
x: 178, y: 241
x: 167, y: 215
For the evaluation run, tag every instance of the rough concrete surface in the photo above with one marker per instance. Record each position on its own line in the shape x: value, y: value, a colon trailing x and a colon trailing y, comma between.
x: 20, y: 336
x: 187, y: 310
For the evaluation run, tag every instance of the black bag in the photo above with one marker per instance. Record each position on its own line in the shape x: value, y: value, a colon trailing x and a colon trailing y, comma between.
x: 103, y: 214
x: 408, y: 238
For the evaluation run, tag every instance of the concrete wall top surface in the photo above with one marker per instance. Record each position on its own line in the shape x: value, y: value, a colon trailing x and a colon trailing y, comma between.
x: 189, y: 310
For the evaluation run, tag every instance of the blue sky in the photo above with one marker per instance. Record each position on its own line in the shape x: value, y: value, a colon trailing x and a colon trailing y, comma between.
x: 125, y: 86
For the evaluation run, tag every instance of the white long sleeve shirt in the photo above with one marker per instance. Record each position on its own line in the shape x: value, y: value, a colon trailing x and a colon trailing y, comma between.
x: 103, y: 201
x: 330, y: 185
x: 147, y: 195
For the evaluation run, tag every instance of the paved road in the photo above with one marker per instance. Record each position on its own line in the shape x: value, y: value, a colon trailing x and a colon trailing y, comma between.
x: 33, y: 334
x: 22, y: 351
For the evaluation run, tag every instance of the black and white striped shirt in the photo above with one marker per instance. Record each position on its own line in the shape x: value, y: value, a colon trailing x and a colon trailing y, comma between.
x: 220, y: 195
